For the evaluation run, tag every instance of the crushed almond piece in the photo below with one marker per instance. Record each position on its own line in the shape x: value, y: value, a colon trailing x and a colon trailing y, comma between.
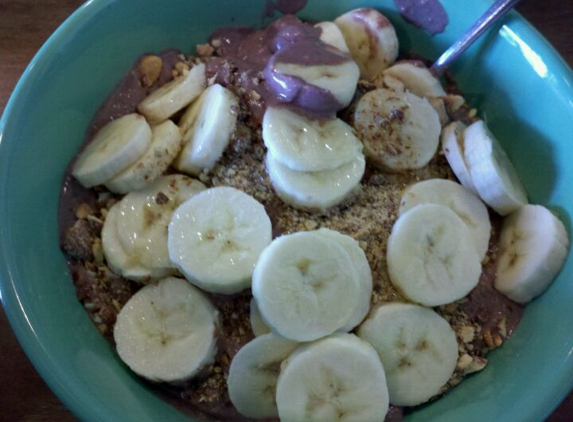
x: 83, y: 210
x: 205, y: 49
x: 488, y: 339
x: 182, y: 68
x: 477, y: 364
x: 150, y: 68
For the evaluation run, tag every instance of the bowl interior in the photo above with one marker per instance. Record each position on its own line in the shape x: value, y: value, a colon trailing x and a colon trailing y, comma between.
x: 515, y: 79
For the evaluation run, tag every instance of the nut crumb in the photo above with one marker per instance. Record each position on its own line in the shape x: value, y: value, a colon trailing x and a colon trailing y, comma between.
x: 150, y: 68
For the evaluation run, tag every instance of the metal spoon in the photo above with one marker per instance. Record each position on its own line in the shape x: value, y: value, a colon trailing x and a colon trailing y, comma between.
x: 492, y: 15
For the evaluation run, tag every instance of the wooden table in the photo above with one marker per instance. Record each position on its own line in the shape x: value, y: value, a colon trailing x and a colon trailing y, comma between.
x: 24, y: 26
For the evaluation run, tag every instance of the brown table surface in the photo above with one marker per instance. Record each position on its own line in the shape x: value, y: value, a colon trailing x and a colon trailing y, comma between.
x: 24, y: 26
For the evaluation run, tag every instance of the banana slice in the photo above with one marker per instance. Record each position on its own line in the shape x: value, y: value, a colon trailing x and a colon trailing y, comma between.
x: 215, y: 238
x: 400, y: 130
x: 371, y: 39
x: 453, y: 148
x: 417, y: 78
x: 258, y: 324
x: 207, y: 126
x: 454, y: 196
x: 418, y: 349
x: 115, y: 147
x: 163, y: 103
x: 119, y: 261
x: 306, y: 286
x: 145, y: 214
x: 430, y: 256
x: 338, y: 378
x: 533, y: 245
x: 338, y: 79
x: 332, y: 35
x: 166, y: 331
x: 318, y: 189
x: 253, y: 375
x: 493, y: 175
x: 165, y: 145
x: 362, y: 268
x: 304, y: 144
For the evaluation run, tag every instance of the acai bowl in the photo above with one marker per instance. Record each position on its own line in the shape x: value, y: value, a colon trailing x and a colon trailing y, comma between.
x: 540, y: 191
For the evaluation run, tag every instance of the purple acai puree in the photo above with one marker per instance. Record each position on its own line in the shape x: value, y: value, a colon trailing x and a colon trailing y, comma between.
x: 427, y: 14
x: 260, y: 57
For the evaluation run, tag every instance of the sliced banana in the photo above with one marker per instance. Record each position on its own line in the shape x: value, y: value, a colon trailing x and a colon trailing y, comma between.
x: 207, y: 126
x: 121, y: 262
x: 430, y: 256
x: 166, y: 331
x: 145, y: 214
x: 306, y: 286
x: 453, y: 148
x: 315, y: 190
x: 371, y: 39
x: 215, y: 238
x: 258, y: 324
x: 163, y: 103
x: 454, y: 196
x: 533, y: 245
x: 400, y: 130
x: 165, y: 145
x: 418, y: 349
x: 417, y: 78
x: 332, y: 35
x: 303, y: 144
x: 338, y: 79
x: 363, y: 271
x: 338, y: 378
x: 114, y: 148
x: 253, y: 375
x: 493, y: 174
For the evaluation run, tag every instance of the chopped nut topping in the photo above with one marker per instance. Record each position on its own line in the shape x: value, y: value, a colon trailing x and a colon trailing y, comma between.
x: 205, y: 49
x: 150, y: 67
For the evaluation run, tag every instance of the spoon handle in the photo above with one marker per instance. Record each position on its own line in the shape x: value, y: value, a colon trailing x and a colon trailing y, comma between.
x: 492, y: 15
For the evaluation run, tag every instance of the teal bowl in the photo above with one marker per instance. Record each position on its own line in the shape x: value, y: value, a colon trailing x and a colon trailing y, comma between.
x: 521, y: 86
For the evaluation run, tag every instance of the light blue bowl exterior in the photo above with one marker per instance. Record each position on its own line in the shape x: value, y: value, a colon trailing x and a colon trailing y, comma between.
x: 520, y: 85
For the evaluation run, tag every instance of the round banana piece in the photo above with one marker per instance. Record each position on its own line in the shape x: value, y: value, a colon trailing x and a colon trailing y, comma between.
x: 253, y: 375
x: 306, y: 286
x: 119, y: 260
x: 215, y: 238
x: 163, y: 103
x: 332, y: 35
x: 371, y: 39
x: 430, y: 256
x: 304, y: 144
x: 337, y: 378
x: 207, y: 126
x: 492, y: 173
x: 258, y: 324
x: 417, y: 78
x: 166, y: 331
x: 400, y: 131
x: 164, y: 147
x: 114, y: 148
x: 417, y: 347
x: 467, y: 206
x: 362, y: 268
x: 315, y: 190
x: 452, y: 139
x: 533, y: 246
x: 145, y: 214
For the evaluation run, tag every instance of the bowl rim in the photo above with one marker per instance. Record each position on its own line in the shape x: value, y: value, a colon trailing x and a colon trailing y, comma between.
x: 23, y: 328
